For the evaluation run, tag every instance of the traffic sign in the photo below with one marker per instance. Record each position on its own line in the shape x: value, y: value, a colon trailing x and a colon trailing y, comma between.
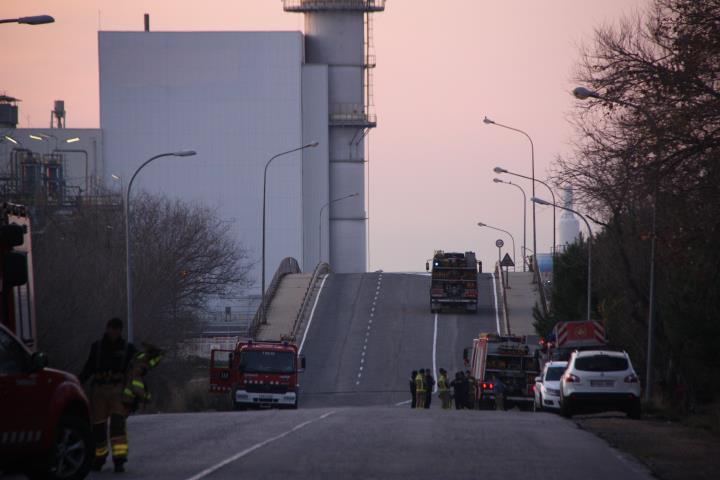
x: 499, y: 243
x: 507, y: 261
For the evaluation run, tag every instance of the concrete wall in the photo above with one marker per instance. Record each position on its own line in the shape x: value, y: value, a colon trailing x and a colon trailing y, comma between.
x: 315, y: 164
x: 235, y: 98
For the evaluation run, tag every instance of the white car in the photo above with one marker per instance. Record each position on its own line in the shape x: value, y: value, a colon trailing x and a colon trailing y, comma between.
x: 600, y: 381
x: 547, y: 386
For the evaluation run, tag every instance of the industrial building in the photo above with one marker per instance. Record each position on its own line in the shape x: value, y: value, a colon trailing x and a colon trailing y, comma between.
x: 238, y: 99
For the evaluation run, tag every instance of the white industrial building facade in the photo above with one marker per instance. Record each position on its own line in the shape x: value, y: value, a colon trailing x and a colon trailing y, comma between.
x: 239, y: 98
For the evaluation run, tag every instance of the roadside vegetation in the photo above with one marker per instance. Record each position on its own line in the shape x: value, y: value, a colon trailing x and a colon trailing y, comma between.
x: 651, y: 141
x: 183, y: 254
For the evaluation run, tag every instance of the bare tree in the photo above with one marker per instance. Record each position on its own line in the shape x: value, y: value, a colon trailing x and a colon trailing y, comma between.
x: 183, y: 255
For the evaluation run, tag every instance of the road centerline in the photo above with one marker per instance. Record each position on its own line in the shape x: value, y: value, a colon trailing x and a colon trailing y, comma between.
x: 209, y: 471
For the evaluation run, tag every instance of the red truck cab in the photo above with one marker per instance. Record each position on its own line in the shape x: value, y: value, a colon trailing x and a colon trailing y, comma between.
x: 45, y: 426
x: 258, y: 374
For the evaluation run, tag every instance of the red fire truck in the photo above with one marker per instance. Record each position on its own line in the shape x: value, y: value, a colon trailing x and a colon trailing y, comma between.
x: 17, y: 296
x: 45, y: 427
x: 453, y: 281
x: 511, y: 359
x: 578, y: 335
x: 258, y: 374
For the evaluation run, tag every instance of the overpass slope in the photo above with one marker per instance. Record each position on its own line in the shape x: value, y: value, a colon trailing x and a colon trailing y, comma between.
x: 369, y: 331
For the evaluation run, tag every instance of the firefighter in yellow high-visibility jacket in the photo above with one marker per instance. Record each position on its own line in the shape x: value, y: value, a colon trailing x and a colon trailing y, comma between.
x: 420, y: 389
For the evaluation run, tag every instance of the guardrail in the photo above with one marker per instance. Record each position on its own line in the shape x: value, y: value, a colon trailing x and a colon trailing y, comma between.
x: 287, y: 266
x: 539, y: 282
x: 321, y: 269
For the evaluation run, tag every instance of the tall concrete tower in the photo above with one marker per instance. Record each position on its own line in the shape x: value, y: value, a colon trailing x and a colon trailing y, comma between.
x: 569, y: 226
x: 338, y: 33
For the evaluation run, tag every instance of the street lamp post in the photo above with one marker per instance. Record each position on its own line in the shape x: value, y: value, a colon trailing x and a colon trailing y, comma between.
x: 262, y: 286
x: 488, y: 121
x: 320, y: 221
x: 589, y: 275
x: 582, y: 93
x: 128, y: 263
x: 524, y: 245
x: 34, y: 20
x: 552, y: 194
x: 481, y: 224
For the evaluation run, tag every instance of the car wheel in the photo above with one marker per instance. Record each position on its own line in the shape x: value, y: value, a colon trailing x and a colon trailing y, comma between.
x: 72, y: 452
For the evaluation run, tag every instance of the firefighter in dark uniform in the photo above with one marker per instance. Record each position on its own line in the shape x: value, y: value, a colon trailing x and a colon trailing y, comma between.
x: 107, y: 367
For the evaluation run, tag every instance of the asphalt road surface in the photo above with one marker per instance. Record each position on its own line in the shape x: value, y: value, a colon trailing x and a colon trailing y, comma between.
x: 369, y: 331
x: 368, y: 443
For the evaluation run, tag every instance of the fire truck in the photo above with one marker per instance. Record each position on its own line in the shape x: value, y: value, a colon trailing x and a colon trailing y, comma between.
x: 454, y: 281
x: 577, y: 335
x: 258, y: 374
x: 512, y: 359
x: 17, y: 296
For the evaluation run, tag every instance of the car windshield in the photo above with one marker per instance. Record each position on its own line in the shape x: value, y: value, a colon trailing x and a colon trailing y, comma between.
x: 554, y: 373
x: 601, y: 363
x: 267, y: 362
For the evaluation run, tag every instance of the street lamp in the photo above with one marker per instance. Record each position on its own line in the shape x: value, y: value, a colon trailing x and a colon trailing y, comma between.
x: 320, y: 222
x: 552, y: 193
x: 262, y: 286
x: 582, y: 93
x: 481, y: 224
x: 524, y: 246
x: 488, y: 121
x: 128, y: 265
x: 589, y: 275
x: 34, y: 20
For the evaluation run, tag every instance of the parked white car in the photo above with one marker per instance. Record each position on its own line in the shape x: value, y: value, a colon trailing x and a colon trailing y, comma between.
x: 547, y: 386
x: 600, y: 381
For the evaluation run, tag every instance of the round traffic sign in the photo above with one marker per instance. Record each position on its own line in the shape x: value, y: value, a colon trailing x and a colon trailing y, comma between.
x: 499, y: 243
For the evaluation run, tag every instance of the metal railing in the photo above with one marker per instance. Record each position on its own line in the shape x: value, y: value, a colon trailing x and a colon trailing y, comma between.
x: 321, y: 269
x: 323, y: 5
x: 287, y: 266
x: 351, y: 114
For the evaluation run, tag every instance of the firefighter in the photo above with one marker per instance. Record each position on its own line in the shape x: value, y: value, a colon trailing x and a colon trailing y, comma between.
x: 413, y: 392
x: 420, y: 389
x: 429, y: 384
x: 444, y: 389
x: 135, y: 391
x: 107, y: 366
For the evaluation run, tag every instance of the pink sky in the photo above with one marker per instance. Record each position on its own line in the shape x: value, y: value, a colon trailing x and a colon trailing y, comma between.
x: 442, y: 66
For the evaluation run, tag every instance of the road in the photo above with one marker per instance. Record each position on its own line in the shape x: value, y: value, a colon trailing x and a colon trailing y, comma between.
x: 369, y: 331
x: 368, y: 443
x: 366, y: 334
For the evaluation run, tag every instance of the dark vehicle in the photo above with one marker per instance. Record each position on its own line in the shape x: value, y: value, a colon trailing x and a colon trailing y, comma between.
x: 454, y: 281
x: 45, y: 428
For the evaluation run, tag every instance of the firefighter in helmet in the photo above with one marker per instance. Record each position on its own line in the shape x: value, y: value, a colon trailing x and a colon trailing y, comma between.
x: 106, y: 367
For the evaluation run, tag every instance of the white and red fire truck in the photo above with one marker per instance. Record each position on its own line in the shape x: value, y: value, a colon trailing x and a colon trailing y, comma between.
x: 258, y: 374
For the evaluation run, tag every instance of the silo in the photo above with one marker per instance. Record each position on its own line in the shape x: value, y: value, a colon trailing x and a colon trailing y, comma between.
x: 338, y: 33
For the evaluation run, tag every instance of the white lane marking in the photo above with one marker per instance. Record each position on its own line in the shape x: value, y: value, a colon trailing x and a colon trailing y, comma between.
x: 435, y: 353
x: 312, y: 314
x: 257, y: 446
x: 497, y: 314
x: 403, y: 403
